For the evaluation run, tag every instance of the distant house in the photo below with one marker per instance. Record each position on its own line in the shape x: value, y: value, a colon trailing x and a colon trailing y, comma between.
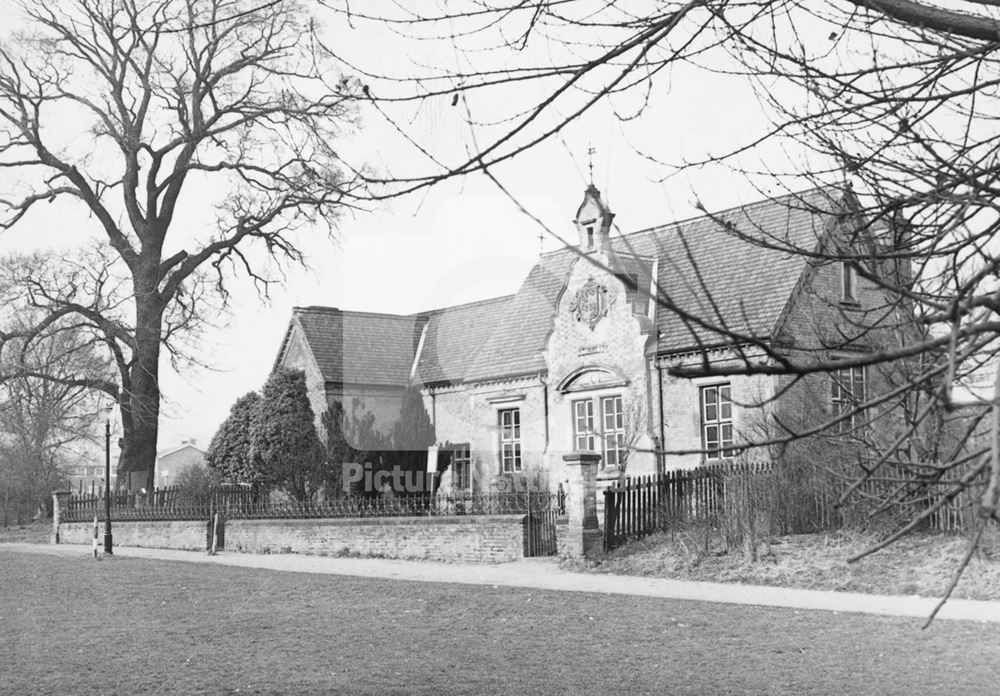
x: 87, y: 476
x: 578, y: 358
x: 83, y: 465
x: 171, y: 462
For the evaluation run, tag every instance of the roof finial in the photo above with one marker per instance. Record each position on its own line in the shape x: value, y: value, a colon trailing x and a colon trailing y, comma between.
x: 590, y: 162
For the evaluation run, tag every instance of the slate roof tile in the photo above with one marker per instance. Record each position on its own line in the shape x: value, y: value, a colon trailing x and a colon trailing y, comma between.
x: 717, y: 274
x: 361, y: 347
x: 517, y: 340
x: 454, y: 336
x: 704, y: 269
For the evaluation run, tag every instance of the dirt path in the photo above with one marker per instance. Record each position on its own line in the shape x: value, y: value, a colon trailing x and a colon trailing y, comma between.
x: 545, y: 574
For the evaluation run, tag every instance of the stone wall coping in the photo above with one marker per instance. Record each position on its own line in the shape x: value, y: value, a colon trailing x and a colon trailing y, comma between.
x: 428, y: 520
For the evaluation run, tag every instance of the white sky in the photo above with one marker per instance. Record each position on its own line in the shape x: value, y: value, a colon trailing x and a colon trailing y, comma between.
x: 463, y: 240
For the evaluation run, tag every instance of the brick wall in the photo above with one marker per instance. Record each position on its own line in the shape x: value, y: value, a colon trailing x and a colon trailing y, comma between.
x: 297, y: 356
x: 682, y: 407
x: 383, y: 403
x: 495, y: 539
x: 490, y: 539
x: 188, y: 535
x: 470, y: 414
x: 817, y: 317
x: 819, y: 325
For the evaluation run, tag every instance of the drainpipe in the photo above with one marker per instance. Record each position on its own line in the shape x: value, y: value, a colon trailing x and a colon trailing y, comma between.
x: 545, y: 401
x: 661, y: 458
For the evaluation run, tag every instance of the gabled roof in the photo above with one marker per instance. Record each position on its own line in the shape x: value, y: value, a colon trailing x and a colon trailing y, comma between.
x: 174, y: 450
x: 455, y: 336
x: 737, y: 268
x: 518, y: 334
x: 360, y: 347
x: 706, y: 267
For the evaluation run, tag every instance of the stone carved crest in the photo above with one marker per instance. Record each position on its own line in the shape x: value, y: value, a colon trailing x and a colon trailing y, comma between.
x: 591, y: 303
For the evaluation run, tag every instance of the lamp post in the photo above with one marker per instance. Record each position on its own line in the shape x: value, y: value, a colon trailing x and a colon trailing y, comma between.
x: 107, y: 485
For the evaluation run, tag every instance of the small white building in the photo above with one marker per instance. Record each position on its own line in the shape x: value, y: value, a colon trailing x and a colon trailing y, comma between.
x: 172, y: 461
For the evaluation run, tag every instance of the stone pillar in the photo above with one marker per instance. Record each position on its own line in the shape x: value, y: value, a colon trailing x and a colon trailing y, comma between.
x: 60, y: 500
x: 583, y: 533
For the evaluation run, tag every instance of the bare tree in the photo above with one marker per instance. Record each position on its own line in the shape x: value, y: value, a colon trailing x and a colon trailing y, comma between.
x: 43, y: 419
x: 112, y: 111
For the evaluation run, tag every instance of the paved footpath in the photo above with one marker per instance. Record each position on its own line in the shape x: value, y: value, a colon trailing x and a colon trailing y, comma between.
x: 545, y: 574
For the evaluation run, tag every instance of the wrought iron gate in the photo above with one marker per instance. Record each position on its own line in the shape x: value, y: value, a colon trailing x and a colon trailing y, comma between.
x: 540, y: 523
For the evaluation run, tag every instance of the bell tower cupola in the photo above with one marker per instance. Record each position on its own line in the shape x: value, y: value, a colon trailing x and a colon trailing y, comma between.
x: 593, y: 222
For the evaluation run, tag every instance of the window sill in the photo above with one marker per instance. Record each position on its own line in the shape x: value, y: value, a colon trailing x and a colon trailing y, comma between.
x: 850, y: 304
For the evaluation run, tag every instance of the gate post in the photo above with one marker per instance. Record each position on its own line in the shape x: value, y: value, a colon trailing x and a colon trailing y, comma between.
x: 60, y: 500
x: 583, y: 533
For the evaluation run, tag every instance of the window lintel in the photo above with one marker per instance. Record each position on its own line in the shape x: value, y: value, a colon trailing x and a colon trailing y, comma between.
x: 506, y: 399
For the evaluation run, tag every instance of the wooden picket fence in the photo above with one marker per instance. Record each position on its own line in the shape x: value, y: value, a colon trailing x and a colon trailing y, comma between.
x: 638, y: 506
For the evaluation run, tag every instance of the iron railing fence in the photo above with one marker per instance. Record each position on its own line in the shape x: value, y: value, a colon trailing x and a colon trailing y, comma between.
x: 172, y: 503
x: 180, y: 505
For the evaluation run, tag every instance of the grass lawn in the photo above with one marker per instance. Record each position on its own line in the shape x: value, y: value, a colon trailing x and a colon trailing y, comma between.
x: 919, y: 564
x: 134, y: 626
x: 31, y: 533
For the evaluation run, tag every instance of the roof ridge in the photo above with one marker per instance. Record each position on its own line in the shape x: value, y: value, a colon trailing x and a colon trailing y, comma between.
x: 319, y: 309
x: 336, y: 310
x: 463, y: 305
x: 178, y: 448
x: 732, y: 208
x: 316, y: 308
x: 708, y: 215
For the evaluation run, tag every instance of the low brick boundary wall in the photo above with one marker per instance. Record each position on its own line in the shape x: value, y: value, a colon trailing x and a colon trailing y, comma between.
x: 479, y: 538
x: 187, y: 535
x: 488, y: 538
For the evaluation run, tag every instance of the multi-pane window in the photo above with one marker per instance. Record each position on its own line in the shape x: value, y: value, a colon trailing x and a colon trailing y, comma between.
x: 717, y: 421
x: 613, y: 430
x: 461, y: 468
x: 583, y: 425
x: 847, y: 391
x: 509, y: 421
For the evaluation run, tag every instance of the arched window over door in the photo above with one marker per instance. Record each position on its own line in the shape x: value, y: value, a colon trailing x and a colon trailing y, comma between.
x: 586, y: 378
x: 598, y: 418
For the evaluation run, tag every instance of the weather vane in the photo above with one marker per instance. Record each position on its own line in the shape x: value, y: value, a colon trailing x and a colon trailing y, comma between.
x: 590, y: 162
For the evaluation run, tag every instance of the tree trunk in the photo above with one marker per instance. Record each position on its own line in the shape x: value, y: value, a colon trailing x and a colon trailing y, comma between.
x: 140, y: 400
